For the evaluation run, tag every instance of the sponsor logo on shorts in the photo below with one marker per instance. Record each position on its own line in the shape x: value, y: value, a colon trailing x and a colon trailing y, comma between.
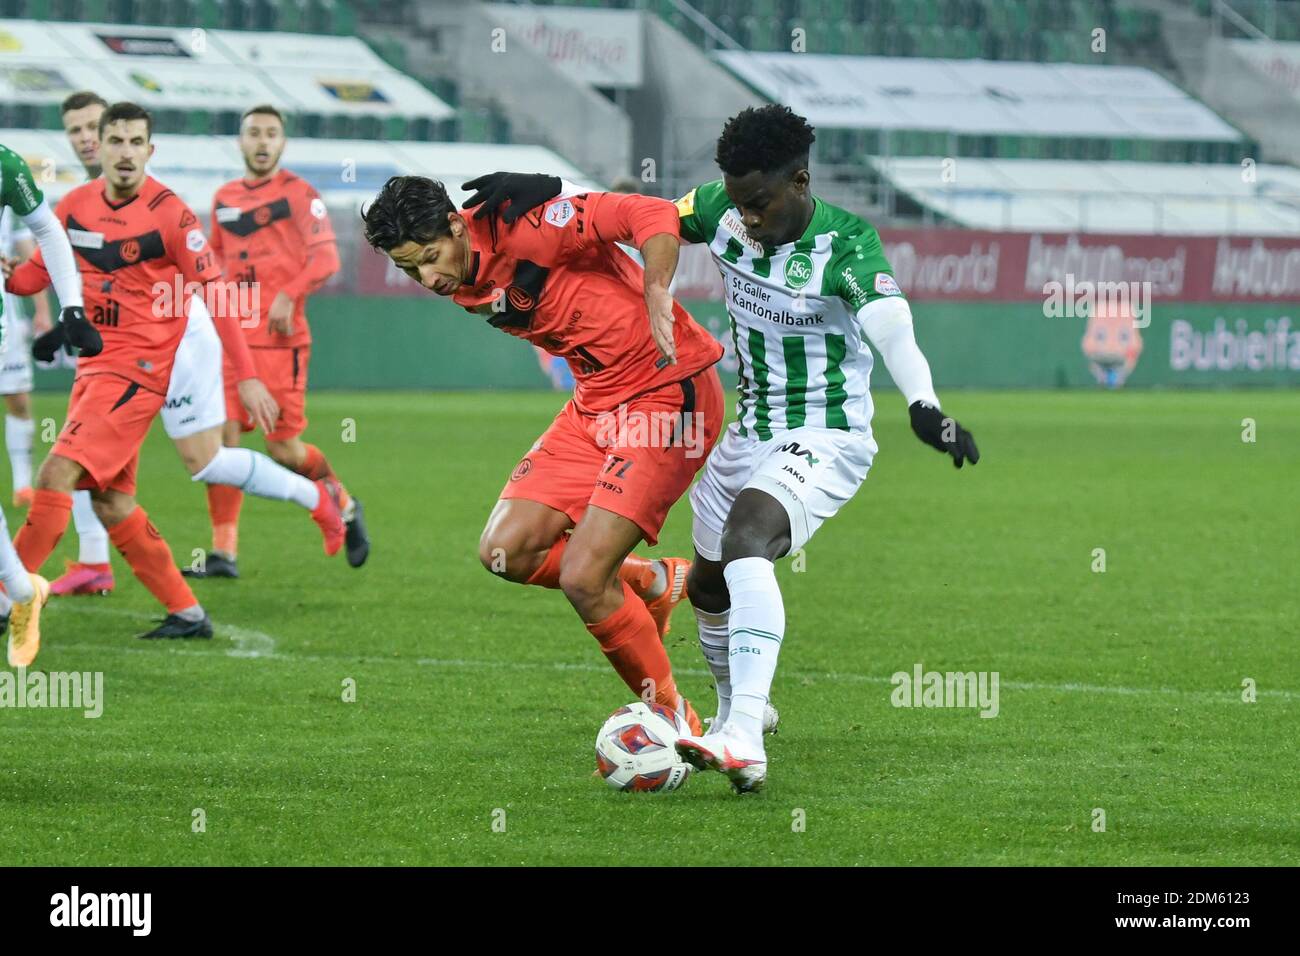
x: 521, y: 469
x: 793, y: 448
x: 179, y: 402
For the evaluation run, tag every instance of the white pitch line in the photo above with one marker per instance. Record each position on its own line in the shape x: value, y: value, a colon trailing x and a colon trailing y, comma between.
x: 260, y: 646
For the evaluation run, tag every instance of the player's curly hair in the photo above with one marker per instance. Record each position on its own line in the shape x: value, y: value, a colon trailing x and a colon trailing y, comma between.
x: 768, y: 139
x: 408, y: 208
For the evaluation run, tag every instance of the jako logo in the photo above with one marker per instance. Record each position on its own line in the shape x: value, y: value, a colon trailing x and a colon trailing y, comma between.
x: 794, y: 449
x: 103, y: 909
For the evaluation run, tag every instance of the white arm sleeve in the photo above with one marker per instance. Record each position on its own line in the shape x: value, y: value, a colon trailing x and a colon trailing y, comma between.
x: 887, y: 323
x: 57, y: 252
x: 568, y: 190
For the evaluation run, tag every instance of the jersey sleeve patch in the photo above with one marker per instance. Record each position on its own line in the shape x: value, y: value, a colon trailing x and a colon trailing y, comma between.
x: 558, y: 214
x: 195, y: 240
x: 886, y: 284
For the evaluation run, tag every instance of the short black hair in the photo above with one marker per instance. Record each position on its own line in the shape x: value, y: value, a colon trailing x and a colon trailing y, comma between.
x: 126, y: 111
x: 262, y: 108
x: 80, y: 100
x: 768, y: 139
x: 408, y: 208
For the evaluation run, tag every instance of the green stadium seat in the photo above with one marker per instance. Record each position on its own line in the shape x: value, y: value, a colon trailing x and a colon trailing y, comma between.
x: 474, y: 126
x: 291, y: 16
x: 395, y: 128
x: 50, y: 117
x: 198, y: 122
x: 209, y: 14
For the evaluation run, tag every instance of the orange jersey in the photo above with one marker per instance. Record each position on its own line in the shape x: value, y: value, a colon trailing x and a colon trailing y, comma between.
x: 271, y: 232
x: 556, y: 278
x: 134, y: 257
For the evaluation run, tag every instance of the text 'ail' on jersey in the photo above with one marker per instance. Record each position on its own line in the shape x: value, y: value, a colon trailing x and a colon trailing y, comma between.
x: 125, y: 251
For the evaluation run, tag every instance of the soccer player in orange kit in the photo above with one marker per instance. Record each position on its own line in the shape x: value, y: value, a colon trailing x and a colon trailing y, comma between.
x: 270, y: 227
x: 132, y: 236
x: 603, y: 476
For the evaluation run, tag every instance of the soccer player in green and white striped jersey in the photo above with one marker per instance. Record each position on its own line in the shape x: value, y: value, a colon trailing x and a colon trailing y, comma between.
x: 804, y: 282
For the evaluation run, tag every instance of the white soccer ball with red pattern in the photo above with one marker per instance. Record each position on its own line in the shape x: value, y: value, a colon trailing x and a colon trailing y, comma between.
x: 634, y: 749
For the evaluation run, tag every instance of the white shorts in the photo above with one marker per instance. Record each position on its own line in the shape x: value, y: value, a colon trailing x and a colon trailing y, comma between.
x: 812, y: 471
x: 196, y: 399
x: 16, y: 358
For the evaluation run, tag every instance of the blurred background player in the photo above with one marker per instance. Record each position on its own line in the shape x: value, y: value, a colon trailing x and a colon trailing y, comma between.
x: 270, y: 227
x: 131, y: 234
x: 193, y: 415
x: 24, y: 591
x: 586, y: 494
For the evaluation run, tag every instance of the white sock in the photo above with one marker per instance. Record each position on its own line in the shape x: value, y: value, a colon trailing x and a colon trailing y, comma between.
x: 714, y: 642
x: 92, y: 536
x: 757, y: 627
x: 15, y: 577
x: 255, y: 473
x: 18, y: 439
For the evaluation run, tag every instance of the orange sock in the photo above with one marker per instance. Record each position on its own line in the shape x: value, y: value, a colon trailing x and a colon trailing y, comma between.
x: 548, y: 574
x: 639, y: 573
x: 137, y: 540
x: 315, y: 466
x: 47, y: 519
x: 224, y: 502
x: 631, y: 642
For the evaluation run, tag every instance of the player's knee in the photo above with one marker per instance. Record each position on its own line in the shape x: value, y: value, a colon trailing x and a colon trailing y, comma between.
x: 747, y: 542
x: 285, y: 455
x: 505, y: 557
x: 706, y: 587
x: 583, y: 581
x: 113, y: 510
x: 57, y: 474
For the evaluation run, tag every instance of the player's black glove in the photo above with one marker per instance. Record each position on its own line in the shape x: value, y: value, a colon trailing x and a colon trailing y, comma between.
x: 943, y: 433
x: 47, y: 344
x: 79, y: 333
x: 524, y: 191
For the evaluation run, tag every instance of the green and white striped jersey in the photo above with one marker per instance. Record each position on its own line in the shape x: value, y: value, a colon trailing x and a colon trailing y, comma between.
x: 19, y: 196
x: 794, y: 313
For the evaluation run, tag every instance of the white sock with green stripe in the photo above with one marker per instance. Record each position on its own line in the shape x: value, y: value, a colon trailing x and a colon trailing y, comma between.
x: 756, y: 628
x: 715, y: 639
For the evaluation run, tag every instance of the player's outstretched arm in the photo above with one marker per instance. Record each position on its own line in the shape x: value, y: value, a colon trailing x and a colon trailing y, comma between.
x: 887, y: 322
x: 60, y: 268
x: 523, y: 191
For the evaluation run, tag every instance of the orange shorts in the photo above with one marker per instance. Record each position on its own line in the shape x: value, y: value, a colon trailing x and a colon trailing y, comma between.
x: 284, y: 373
x: 108, y: 419
x: 635, y: 461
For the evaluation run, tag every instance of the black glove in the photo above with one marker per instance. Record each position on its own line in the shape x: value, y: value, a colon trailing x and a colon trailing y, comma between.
x: 943, y: 433
x: 47, y: 344
x: 79, y: 333
x: 524, y: 191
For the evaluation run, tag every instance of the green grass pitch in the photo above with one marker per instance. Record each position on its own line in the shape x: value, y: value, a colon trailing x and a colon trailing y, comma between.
x: 477, y: 700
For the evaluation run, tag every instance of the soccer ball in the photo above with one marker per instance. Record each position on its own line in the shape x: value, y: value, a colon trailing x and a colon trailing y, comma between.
x: 634, y: 749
